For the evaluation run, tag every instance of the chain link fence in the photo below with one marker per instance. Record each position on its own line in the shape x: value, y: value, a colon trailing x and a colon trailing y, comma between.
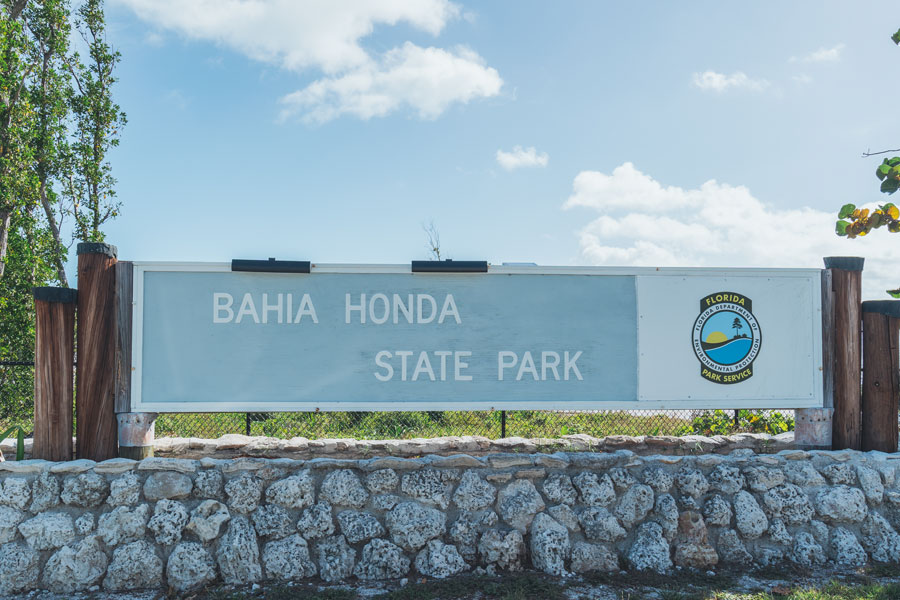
x: 17, y: 408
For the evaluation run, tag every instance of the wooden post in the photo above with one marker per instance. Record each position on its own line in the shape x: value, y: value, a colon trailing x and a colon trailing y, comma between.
x: 846, y: 285
x: 96, y: 432
x: 54, y: 372
x: 881, y: 380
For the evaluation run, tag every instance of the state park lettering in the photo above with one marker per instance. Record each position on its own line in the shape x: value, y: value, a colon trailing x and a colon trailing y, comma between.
x: 394, y: 309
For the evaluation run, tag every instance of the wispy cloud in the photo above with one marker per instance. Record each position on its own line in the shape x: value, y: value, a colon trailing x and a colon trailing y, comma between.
x: 522, y: 157
x: 719, y: 82
x: 802, y: 79
x: 821, y: 55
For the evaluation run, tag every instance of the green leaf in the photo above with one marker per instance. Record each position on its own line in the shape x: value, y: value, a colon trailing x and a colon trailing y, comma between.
x: 882, y: 171
x: 840, y: 228
x: 893, y: 162
x: 846, y: 211
x: 894, y: 293
x: 889, y: 186
x: 896, y: 37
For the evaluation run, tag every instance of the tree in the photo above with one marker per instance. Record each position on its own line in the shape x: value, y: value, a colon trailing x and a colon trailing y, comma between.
x: 858, y: 222
x: 737, y: 326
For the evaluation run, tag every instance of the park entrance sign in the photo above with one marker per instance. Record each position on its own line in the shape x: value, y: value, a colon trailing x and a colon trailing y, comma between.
x: 206, y: 338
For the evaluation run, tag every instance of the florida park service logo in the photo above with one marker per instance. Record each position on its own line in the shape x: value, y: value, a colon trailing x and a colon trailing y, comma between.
x: 726, y: 338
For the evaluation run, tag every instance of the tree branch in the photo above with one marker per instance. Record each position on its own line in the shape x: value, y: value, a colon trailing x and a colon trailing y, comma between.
x: 867, y: 153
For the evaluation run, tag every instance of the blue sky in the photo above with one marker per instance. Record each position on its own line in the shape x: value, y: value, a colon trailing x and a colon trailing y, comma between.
x: 690, y: 134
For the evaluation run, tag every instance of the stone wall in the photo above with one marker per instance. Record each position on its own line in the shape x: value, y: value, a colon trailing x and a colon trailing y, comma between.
x: 183, y: 523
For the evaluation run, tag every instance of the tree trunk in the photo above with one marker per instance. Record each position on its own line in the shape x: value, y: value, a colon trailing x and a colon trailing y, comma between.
x: 54, y: 228
x: 5, y: 216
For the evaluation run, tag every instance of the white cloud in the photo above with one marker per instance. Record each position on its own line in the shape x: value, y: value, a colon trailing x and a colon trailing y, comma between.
x: 522, y: 157
x: 802, y: 79
x: 719, y: 82
x: 326, y: 36
x: 427, y: 80
x: 644, y: 223
x: 821, y: 55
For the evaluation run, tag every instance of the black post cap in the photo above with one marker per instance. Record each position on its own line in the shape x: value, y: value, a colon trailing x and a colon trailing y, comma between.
x: 890, y: 308
x: 59, y: 295
x: 98, y: 248
x: 270, y: 266
x: 844, y: 263
x: 449, y: 266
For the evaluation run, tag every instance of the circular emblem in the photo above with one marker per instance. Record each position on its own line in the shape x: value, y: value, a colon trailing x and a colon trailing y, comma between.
x: 726, y: 338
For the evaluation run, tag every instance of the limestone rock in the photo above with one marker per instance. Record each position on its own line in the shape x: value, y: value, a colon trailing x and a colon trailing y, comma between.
x: 806, y: 552
x: 431, y: 486
x: 134, y: 566
x: 727, y: 479
x: 693, y: 548
x: 386, y: 501
x: 564, y: 515
x: 381, y: 559
x: 467, y: 528
x: 439, y: 560
x: 779, y: 533
x: 162, y: 485
x: 666, y: 514
x: 767, y: 557
x: 358, y: 526
x: 801, y: 473
x: 748, y: 516
x: 124, y: 490
x: 84, y: 524
x: 841, y: 504
x: 840, y: 474
x: 342, y: 488
x: 820, y: 532
x: 207, y: 519
x: 15, y: 492
x: 474, y: 492
x: 297, y: 491
x: 336, y: 558
x: 288, y: 559
x: 244, y: 493
x: 190, y: 567
x: 238, y: 555
x: 558, y: 488
x: 550, y: 546
x: 880, y: 539
x: 87, y: 490
x: 9, y: 523
x: 44, y: 493
x: 76, y: 568
x: 622, y: 479
x: 593, y: 557
x: 169, y: 519
x: 48, y: 531
x: 599, y: 525
x: 763, y: 479
x: 504, y: 550
x: 316, y: 521
x: 634, y: 505
x: 518, y: 502
x: 661, y: 481
x: 870, y: 482
x: 209, y: 484
x: 692, y: 483
x: 382, y: 481
x: 123, y: 524
x: 595, y: 490
x: 790, y: 503
x: 717, y: 511
x: 20, y: 567
x: 731, y: 549
x: 412, y: 525
x: 650, y: 550
x: 272, y: 521
x: 846, y: 549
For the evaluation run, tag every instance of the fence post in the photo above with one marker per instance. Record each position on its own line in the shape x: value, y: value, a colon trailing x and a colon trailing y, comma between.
x: 54, y: 372
x: 846, y: 284
x: 881, y: 380
x: 96, y: 430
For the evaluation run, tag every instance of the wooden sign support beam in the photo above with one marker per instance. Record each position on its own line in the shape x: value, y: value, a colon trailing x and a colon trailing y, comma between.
x: 96, y: 431
x: 846, y: 284
x: 881, y: 380
x: 54, y: 372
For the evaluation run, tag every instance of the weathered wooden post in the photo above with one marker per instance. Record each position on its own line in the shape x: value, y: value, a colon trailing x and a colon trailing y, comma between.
x: 881, y: 380
x: 846, y: 284
x: 814, y: 427
x: 54, y: 372
x: 95, y: 397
